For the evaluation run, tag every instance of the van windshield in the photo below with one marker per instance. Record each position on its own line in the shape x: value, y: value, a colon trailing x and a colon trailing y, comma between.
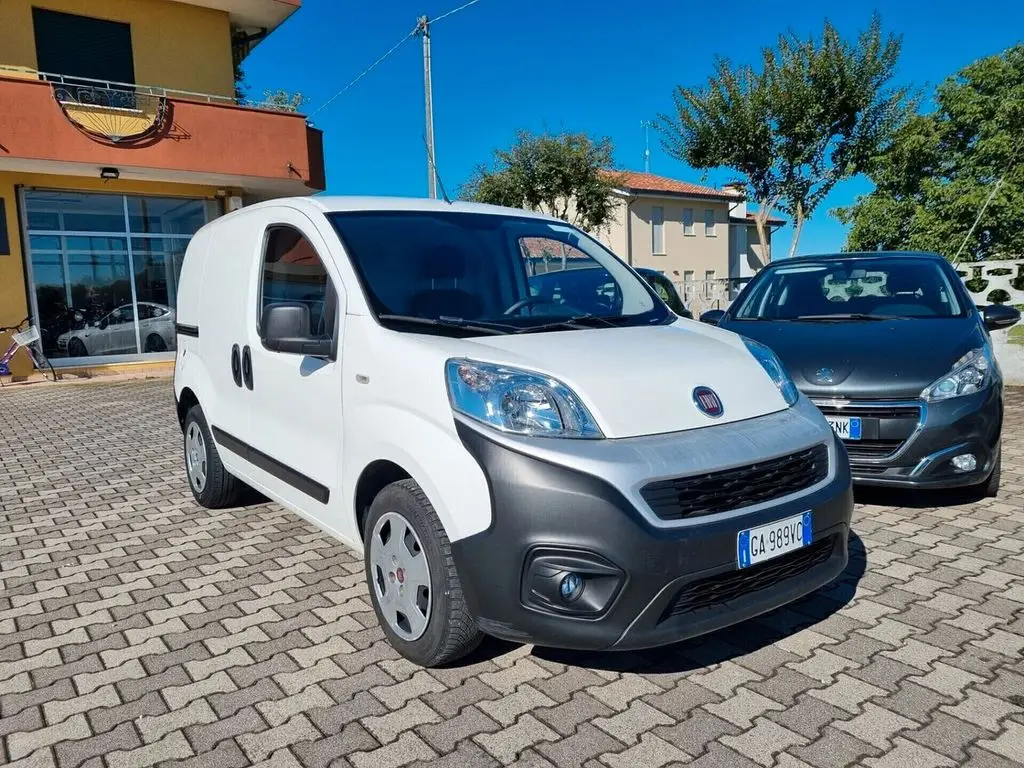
x: 489, y: 273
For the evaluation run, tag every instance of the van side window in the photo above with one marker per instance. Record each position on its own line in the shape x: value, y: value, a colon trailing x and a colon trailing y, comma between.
x: 294, y: 272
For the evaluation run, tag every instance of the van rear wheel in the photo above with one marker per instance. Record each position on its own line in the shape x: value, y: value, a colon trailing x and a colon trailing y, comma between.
x: 211, y: 484
x: 414, y: 586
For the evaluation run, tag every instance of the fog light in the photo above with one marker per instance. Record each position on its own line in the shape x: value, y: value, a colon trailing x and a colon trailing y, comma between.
x: 965, y: 462
x: 571, y: 587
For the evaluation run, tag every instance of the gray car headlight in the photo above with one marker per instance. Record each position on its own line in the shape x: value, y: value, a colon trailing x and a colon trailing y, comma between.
x: 971, y: 373
x: 517, y: 401
x: 775, y: 370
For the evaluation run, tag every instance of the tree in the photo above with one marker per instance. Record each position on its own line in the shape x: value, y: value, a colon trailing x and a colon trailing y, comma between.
x: 563, y: 175
x: 240, y: 85
x: 815, y: 113
x: 934, y: 181
x: 284, y: 101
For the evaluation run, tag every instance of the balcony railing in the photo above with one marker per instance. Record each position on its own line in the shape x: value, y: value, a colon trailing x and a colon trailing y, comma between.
x: 114, y: 94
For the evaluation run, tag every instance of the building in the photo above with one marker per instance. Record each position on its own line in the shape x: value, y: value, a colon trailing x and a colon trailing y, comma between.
x: 697, y: 236
x: 120, y: 135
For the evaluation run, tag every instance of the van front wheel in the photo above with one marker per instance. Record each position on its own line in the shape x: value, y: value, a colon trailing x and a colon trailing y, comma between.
x: 212, y: 485
x: 413, y: 582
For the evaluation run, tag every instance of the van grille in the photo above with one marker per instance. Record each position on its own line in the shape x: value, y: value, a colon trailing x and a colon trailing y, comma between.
x: 729, y: 489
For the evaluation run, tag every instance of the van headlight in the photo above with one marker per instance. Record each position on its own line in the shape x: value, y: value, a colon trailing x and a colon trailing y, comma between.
x: 518, y: 401
x: 775, y: 370
x: 971, y: 373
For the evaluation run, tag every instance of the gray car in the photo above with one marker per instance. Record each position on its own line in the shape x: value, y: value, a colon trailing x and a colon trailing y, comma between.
x: 892, y: 350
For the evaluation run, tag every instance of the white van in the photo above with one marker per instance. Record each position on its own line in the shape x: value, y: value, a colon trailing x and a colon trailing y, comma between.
x: 520, y: 436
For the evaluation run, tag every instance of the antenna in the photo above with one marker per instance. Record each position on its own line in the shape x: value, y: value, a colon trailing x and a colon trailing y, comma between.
x: 434, y: 171
x: 646, y: 125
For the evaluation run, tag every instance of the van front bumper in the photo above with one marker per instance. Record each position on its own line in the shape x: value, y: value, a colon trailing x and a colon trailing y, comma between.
x: 646, y: 583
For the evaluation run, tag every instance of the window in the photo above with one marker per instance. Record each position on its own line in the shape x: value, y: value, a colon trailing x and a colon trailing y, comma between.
x: 688, y: 276
x: 709, y: 222
x: 658, y: 230
x: 90, y: 254
x: 882, y: 287
x: 501, y: 271
x: 293, y: 272
x: 709, y: 283
x: 687, y: 221
x: 81, y: 46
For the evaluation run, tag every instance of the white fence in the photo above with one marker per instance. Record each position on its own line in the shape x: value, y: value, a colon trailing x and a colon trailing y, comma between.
x: 999, y: 282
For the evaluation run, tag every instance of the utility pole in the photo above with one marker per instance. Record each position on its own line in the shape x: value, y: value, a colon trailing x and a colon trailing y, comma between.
x: 423, y: 29
x: 646, y: 124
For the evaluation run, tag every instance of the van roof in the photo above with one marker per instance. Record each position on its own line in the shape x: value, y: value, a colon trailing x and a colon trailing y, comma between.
x: 338, y: 203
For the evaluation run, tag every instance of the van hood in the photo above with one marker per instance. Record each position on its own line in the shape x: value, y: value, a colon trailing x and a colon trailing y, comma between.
x: 640, y: 380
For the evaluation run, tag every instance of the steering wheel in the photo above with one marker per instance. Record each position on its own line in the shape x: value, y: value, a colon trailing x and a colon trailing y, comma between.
x: 531, y: 300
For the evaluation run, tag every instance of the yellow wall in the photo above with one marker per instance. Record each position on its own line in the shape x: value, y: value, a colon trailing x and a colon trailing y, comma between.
x: 13, y: 299
x: 175, y: 45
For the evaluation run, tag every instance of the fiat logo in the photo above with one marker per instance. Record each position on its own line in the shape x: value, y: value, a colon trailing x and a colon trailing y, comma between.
x: 708, y: 402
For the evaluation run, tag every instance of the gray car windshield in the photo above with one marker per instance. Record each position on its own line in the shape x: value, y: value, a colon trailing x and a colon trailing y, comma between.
x: 490, y: 273
x: 852, y: 289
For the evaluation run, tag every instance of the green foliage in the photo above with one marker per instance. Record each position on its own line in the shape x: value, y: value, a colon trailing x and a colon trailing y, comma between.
x: 563, y: 175
x: 241, y: 87
x: 854, y: 289
x: 998, y: 296
x: 814, y: 113
x: 285, y: 101
x: 976, y: 284
x: 999, y: 272
x: 933, y: 180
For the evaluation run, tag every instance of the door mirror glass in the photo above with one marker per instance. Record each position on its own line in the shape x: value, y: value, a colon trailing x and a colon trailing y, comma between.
x: 285, y: 328
x: 1000, y: 316
x: 104, y: 322
x: 713, y: 316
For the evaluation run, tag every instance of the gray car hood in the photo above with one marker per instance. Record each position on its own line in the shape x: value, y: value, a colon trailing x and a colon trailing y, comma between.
x: 893, y: 359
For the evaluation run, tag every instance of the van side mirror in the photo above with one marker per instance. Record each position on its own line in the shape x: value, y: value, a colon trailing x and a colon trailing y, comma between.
x: 285, y: 328
x: 1000, y: 316
x: 713, y: 316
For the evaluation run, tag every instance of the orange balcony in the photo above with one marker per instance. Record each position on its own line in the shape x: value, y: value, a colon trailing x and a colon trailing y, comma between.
x: 49, y: 125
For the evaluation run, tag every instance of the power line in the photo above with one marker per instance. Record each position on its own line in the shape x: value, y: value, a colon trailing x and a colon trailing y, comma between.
x: 454, y: 11
x: 367, y: 71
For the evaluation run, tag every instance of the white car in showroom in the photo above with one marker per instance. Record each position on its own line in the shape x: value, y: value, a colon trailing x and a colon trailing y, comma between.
x: 114, y: 333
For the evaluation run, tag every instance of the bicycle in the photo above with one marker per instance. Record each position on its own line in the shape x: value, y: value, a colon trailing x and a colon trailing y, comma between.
x: 24, y: 335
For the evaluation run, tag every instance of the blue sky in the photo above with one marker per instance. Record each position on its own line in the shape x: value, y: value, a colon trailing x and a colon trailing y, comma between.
x: 597, y: 66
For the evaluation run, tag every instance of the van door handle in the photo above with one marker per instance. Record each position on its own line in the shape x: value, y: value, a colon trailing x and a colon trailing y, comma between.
x: 247, y: 367
x: 236, y: 365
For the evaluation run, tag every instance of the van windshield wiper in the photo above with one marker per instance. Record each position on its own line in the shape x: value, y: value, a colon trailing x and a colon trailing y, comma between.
x: 846, y: 316
x: 494, y: 329
x: 577, y: 322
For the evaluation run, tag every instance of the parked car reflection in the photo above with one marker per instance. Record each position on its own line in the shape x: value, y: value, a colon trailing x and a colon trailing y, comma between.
x: 114, y: 333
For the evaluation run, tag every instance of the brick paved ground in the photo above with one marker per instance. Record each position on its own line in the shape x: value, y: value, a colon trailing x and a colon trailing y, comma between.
x: 137, y: 629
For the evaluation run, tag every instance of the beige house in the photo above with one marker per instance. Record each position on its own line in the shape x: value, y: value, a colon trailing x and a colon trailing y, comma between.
x: 691, y: 233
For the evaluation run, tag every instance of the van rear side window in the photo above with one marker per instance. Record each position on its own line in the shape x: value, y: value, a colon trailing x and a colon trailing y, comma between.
x: 294, y: 272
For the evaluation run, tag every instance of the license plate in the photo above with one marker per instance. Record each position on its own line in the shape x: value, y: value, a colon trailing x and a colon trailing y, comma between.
x: 755, y: 545
x: 847, y: 429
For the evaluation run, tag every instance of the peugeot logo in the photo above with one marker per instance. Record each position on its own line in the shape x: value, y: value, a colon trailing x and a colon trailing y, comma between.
x: 825, y: 376
x: 708, y: 402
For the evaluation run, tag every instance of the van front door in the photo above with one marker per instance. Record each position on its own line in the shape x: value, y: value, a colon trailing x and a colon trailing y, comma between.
x: 295, y: 414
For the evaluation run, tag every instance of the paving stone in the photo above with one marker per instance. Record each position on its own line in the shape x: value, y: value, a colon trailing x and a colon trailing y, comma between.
x: 444, y: 736
x: 327, y: 751
x: 764, y: 741
x: 907, y: 754
x: 566, y: 718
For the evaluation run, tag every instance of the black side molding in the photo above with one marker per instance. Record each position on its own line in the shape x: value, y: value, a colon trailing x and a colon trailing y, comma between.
x: 282, y: 472
x: 187, y: 330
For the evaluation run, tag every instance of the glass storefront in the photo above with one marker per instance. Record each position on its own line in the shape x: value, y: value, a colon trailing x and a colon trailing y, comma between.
x: 104, y: 270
